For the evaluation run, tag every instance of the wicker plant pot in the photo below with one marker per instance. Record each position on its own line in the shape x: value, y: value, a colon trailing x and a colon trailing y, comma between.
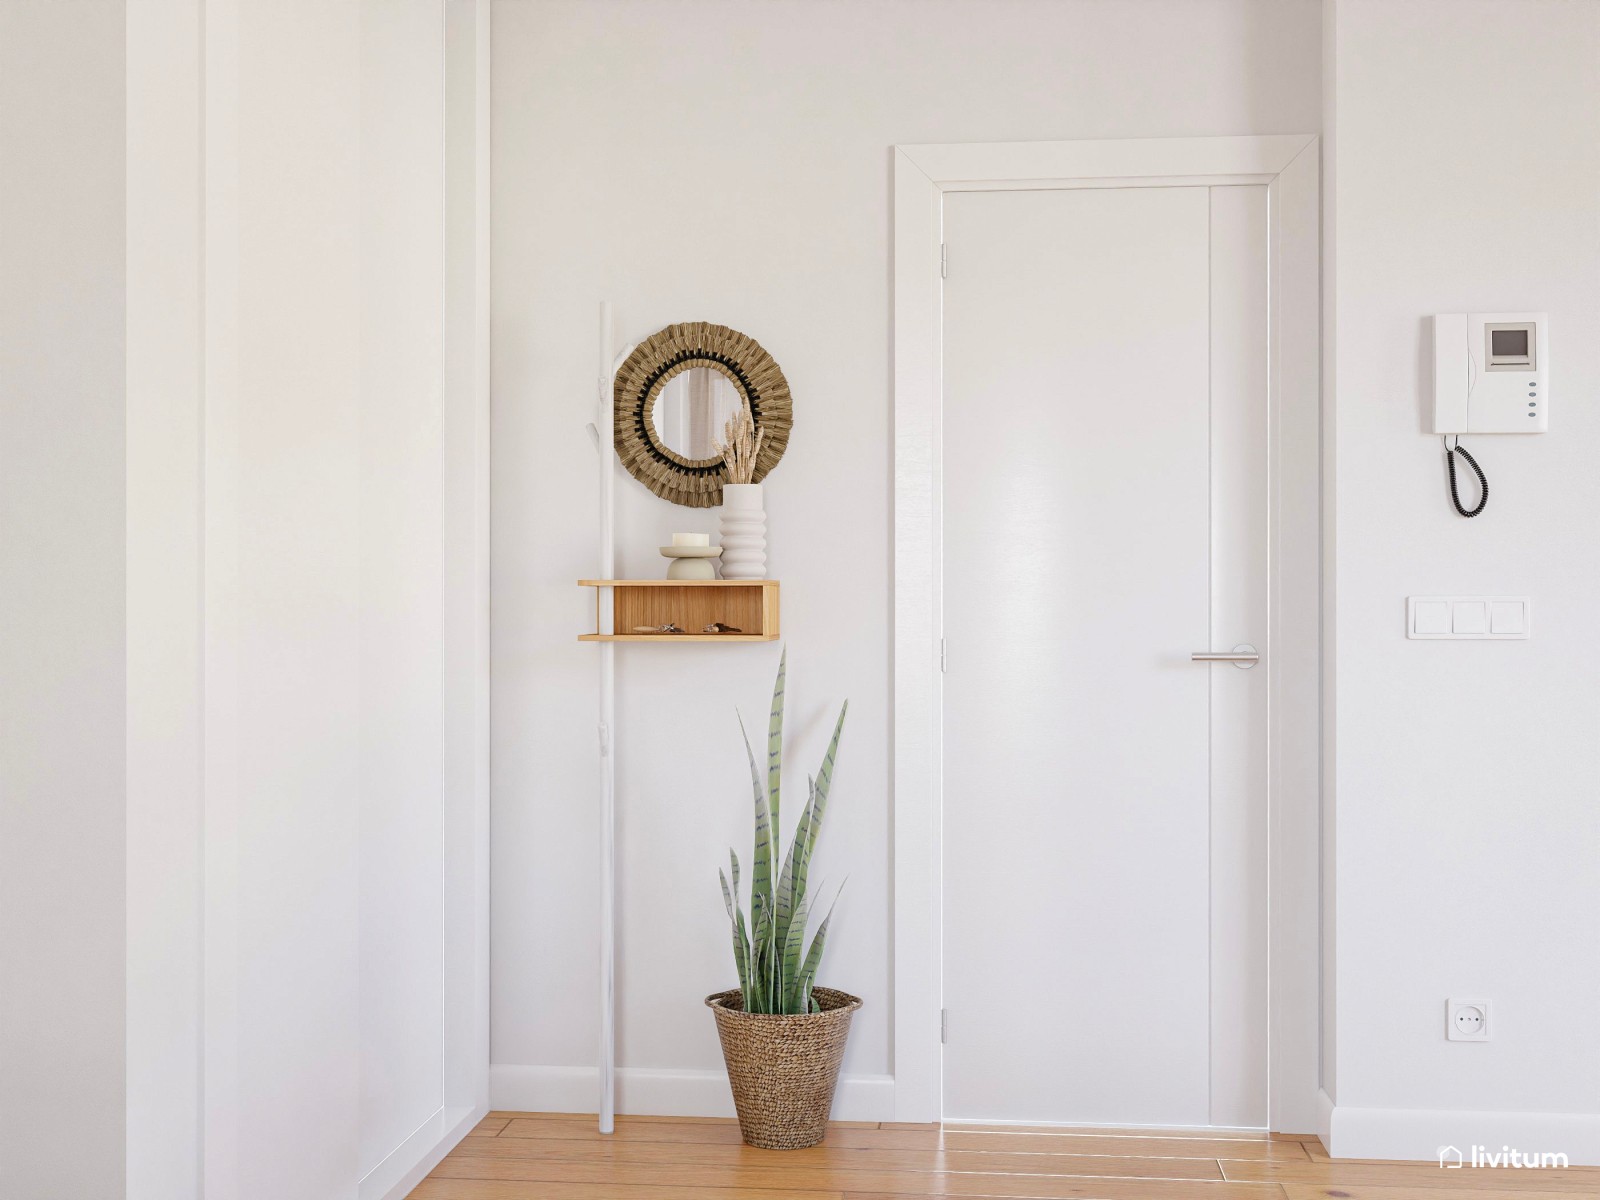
x: 783, y: 1069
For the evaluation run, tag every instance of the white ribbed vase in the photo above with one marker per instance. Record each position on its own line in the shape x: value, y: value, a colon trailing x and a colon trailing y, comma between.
x: 744, y: 532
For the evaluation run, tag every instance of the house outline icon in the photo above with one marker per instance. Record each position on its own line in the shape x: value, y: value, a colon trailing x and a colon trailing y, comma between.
x: 1447, y: 1153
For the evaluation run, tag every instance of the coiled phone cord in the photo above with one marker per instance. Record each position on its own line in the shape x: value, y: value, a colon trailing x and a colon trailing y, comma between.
x: 1450, y: 453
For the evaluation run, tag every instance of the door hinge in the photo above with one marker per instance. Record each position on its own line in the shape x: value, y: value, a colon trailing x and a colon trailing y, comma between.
x: 944, y: 262
x: 944, y: 1025
x: 941, y: 657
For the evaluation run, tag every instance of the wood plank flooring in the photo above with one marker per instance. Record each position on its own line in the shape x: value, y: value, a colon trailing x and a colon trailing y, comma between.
x: 560, y: 1156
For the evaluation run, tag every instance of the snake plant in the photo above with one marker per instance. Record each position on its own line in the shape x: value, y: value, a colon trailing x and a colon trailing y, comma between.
x: 774, y: 977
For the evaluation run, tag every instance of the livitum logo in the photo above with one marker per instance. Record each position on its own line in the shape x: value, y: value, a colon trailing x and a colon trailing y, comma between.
x: 1482, y: 1156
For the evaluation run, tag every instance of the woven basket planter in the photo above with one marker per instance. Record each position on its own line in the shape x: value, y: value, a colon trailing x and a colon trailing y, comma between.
x: 783, y: 1069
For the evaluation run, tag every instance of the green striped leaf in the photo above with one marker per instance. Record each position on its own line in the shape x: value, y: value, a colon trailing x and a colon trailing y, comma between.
x: 793, y: 945
x: 775, y: 743
x: 762, y: 997
x: 816, y: 806
x: 741, y: 943
x: 761, y: 869
x: 741, y: 937
x: 792, y: 887
x: 773, y: 962
x: 808, y: 971
x: 825, y: 778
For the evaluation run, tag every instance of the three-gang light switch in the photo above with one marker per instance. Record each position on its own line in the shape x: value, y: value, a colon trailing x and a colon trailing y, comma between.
x: 1470, y: 618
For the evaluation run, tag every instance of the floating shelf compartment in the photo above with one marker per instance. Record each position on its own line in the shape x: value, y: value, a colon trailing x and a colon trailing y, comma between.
x: 751, y: 605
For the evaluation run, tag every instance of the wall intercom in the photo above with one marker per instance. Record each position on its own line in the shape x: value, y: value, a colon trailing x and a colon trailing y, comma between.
x: 1490, y: 375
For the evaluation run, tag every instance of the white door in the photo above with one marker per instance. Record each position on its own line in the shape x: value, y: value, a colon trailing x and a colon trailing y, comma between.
x: 1105, y: 517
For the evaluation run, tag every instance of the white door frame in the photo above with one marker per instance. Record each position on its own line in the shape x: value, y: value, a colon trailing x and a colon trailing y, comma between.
x: 1288, y: 165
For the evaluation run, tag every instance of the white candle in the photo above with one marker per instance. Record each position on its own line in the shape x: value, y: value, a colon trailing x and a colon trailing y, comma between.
x: 691, y: 539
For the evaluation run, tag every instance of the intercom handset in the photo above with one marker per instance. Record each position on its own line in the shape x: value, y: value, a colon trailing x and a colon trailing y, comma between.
x: 1491, y: 372
x: 1490, y: 375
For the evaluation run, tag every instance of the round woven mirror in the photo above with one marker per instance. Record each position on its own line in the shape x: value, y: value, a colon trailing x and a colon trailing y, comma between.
x: 675, y: 394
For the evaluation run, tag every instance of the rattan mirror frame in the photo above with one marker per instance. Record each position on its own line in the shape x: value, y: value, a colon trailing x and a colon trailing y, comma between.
x: 696, y: 483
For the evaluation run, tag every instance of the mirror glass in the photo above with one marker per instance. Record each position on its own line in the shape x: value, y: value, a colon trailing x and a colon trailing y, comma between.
x: 691, y: 410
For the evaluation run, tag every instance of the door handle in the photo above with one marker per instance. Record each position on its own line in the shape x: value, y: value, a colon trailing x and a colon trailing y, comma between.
x: 1243, y: 656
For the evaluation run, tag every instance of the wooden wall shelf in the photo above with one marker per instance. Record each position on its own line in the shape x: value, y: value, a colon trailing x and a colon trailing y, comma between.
x: 751, y: 605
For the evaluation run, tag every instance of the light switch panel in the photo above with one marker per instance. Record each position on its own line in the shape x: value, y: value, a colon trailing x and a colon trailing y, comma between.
x: 1469, y: 618
x: 1430, y: 618
x: 1508, y: 618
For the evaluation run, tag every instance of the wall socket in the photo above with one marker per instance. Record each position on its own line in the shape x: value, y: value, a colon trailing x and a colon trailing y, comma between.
x: 1467, y: 1020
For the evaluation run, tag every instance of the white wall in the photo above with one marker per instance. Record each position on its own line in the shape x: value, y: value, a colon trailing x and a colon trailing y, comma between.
x: 165, y: 727
x: 401, y: 414
x: 243, y: 511
x: 716, y: 160
x: 62, y: 702
x: 307, y: 599
x: 282, y: 465
x: 336, y: 795
x: 1465, y: 138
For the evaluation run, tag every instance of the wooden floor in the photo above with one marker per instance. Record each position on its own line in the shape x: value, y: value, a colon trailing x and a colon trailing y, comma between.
x: 543, y: 1156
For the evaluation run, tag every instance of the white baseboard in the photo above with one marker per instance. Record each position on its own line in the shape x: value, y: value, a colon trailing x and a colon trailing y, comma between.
x: 1414, y: 1133
x: 407, y: 1164
x: 652, y: 1092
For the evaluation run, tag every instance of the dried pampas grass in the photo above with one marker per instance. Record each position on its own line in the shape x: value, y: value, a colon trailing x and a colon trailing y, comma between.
x: 740, y: 446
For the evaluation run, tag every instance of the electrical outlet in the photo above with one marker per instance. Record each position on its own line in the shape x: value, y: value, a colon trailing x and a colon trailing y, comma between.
x: 1467, y: 1020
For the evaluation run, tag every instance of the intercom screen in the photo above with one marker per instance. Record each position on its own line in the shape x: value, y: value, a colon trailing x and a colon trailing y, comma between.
x: 1508, y: 343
